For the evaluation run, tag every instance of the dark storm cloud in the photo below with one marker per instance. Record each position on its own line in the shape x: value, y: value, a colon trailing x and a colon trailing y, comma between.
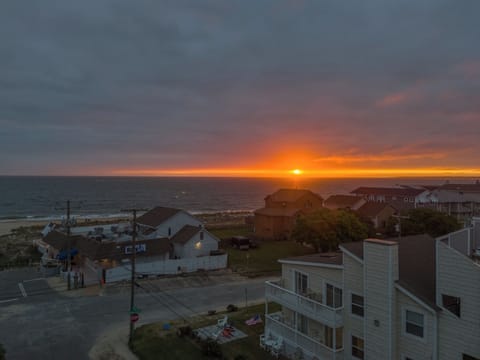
x: 167, y: 83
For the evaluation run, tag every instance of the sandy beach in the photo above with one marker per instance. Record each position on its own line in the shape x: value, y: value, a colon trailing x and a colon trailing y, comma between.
x: 6, y: 226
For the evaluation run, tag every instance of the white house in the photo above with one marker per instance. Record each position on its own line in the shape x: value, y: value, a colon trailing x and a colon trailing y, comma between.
x: 165, y: 222
x: 408, y: 299
x: 193, y: 241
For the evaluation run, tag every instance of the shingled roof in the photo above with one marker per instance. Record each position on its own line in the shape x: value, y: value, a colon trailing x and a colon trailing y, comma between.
x: 185, y: 234
x: 157, y: 216
x: 372, y: 208
x: 404, y: 191
x: 416, y: 258
x: 290, y: 195
x: 59, y: 240
x: 342, y: 201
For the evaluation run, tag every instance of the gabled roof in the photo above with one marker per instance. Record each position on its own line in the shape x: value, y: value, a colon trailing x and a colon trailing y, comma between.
x: 185, y: 234
x: 281, y: 212
x: 342, y: 201
x: 157, y: 216
x: 372, y: 208
x: 363, y: 190
x: 290, y: 195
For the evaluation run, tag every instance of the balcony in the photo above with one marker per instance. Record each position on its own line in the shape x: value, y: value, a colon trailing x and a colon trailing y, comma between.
x: 310, y: 308
x: 295, y: 340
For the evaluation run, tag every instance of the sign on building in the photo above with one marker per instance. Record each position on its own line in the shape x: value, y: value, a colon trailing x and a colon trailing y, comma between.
x: 138, y: 248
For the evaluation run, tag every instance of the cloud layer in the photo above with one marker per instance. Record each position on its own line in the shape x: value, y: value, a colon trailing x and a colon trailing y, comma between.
x: 103, y: 86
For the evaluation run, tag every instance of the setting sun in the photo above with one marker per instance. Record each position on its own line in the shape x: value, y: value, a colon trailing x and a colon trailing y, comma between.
x: 297, y: 172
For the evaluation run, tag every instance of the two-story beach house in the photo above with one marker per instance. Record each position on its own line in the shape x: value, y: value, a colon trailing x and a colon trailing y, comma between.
x: 413, y: 298
x: 276, y: 220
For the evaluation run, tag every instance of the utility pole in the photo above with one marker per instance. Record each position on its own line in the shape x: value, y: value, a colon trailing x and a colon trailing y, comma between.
x: 132, y: 285
x: 399, y: 217
x: 68, y: 224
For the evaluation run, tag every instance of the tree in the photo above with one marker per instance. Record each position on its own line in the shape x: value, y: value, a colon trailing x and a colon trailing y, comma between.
x: 423, y: 221
x: 325, y: 229
x: 2, y: 352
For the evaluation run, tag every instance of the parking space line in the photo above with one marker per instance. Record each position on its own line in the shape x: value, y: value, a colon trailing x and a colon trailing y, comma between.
x: 22, y: 289
x: 9, y: 300
x: 37, y: 279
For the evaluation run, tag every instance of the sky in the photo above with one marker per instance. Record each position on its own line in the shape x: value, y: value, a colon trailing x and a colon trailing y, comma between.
x: 240, y: 88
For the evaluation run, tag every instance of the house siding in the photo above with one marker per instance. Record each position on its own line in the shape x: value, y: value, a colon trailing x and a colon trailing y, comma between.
x: 458, y: 276
x: 353, y: 283
x: 317, y: 277
x: 407, y: 344
x: 208, y: 244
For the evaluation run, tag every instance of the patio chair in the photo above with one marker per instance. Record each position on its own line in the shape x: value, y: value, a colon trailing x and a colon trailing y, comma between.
x: 221, y: 323
x: 277, y: 346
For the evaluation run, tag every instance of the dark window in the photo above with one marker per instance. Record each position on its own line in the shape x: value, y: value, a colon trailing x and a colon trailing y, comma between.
x: 301, y: 283
x: 169, y: 231
x: 357, y: 347
x: 452, y: 304
x: 414, y: 323
x: 201, y: 235
x: 357, y: 305
x: 334, y: 296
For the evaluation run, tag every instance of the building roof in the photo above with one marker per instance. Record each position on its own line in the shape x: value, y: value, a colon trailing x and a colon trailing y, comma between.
x: 342, y: 201
x: 185, y: 234
x: 290, y: 195
x: 468, y: 188
x: 329, y: 258
x: 96, y: 250
x: 372, y: 208
x: 391, y: 191
x: 59, y: 240
x: 286, y: 212
x: 157, y: 216
x: 416, y: 258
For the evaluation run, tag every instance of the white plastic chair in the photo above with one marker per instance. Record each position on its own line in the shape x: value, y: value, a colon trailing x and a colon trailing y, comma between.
x: 221, y: 323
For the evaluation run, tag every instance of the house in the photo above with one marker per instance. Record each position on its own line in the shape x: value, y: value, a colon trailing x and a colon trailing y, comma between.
x: 276, y: 220
x: 404, y: 197
x: 410, y: 298
x: 164, y: 222
x: 351, y: 202
x: 377, y: 212
x: 193, y: 241
x: 459, y: 200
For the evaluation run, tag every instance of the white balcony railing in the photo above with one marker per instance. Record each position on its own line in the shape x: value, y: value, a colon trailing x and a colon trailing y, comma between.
x: 311, y: 308
x: 294, y: 339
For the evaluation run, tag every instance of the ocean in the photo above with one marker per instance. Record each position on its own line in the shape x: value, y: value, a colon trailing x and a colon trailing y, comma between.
x: 44, y: 197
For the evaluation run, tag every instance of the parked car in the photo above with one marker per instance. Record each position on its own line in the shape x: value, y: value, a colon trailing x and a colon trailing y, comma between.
x: 240, y: 242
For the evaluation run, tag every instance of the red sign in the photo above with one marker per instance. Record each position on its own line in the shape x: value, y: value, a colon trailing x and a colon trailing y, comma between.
x: 134, y: 317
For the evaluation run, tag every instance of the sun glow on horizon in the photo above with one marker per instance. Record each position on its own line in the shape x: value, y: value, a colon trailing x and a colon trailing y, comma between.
x: 309, y: 173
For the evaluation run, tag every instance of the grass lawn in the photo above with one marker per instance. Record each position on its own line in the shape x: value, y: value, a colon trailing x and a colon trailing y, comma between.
x: 152, y: 342
x: 264, y: 259
x: 260, y: 261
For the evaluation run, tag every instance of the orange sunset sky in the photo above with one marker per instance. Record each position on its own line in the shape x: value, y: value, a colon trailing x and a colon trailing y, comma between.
x: 246, y: 88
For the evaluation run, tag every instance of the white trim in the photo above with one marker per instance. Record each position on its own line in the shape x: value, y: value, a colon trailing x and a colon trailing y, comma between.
x: 404, y: 333
x: 390, y: 297
x: 352, y: 255
x: 362, y: 318
x: 307, y: 263
x: 416, y: 299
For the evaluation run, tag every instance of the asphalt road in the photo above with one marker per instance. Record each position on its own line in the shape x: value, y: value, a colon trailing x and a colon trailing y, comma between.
x: 38, y: 322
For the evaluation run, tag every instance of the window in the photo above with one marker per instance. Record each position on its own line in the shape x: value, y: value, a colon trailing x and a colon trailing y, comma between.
x: 357, y: 305
x: 301, y: 283
x: 357, y: 347
x: 169, y: 231
x: 328, y: 337
x: 452, y: 304
x: 201, y: 235
x: 414, y: 323
x: 302, y: 324
x: 334, y: 296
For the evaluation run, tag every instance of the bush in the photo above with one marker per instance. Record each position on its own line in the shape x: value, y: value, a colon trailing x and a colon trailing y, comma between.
x: 2, y: 352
